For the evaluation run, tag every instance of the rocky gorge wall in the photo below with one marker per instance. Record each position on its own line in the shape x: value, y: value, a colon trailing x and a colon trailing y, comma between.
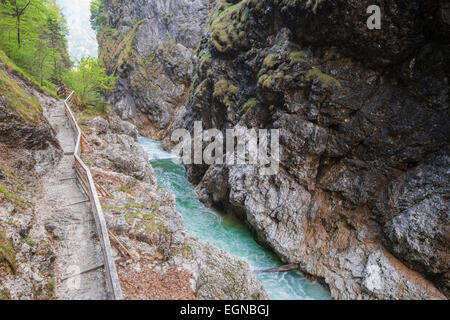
x: 150, y: 45
x: 361, y: 200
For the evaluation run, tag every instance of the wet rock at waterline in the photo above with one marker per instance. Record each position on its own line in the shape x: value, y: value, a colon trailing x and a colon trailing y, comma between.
x: 226, y: 232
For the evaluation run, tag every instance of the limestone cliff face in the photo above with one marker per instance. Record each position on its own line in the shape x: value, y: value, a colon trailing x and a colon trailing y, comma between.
x: 361, y: 201
x: 151, y: 45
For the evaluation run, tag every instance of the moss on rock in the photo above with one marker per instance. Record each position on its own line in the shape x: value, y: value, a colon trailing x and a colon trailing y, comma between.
x: 228, y: 27
x: 325, y: 80
x: 224, y: 92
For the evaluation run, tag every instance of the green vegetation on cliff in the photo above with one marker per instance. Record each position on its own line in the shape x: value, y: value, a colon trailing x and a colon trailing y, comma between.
x: 325, y: 80
x: 225, y: 92
x: 118, y: 47
x: 32, y: 34
x: 98, y: 14
x: 33, y: 46
x: 250, y: 105
x: 19, y: 203
x: 228, y: 26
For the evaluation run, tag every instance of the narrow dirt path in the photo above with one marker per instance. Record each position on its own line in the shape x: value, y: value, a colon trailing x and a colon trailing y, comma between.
x: 78, y: 247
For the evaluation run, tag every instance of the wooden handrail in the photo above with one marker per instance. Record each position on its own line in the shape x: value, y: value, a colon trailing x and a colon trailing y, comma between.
x: 87, y: 182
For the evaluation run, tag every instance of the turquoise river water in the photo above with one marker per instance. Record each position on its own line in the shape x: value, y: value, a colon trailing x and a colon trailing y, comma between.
x: 226, y: 232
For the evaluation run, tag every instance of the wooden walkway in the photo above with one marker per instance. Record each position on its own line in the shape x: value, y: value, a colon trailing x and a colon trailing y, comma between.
x: 85, y: 267
x: 89, y: 187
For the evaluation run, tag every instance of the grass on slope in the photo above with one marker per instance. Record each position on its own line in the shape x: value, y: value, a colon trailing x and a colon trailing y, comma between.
x: 47, y: 87
x: 7, y: 253
x: 17, y: 101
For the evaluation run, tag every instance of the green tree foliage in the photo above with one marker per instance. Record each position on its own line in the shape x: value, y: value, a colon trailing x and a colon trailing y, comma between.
x: 54, y: 36
x: 89, y: 80
x: 19, y: 15
x: 98, y: 14
x: 32, y: 34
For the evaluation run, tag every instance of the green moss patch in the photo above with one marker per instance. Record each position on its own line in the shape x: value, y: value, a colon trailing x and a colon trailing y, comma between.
x: 250, y: 105
x: 4, y: 294
x: 201, y: 89
x: 297, y: 56
x: 224, y: 92
x: 269, y: 61
x: 146, y: 220
x: 125, y: 189
x: 19, y: 203
x: 220, y: 88
x: 8, y: 172
x: 325, y: 80
x: 228, y: 27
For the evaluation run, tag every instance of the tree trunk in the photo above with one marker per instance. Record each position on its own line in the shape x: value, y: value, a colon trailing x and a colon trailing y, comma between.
x: 18, y: 30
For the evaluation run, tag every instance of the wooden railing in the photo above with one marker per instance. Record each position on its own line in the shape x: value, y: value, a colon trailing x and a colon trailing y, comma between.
x: 84, y: 176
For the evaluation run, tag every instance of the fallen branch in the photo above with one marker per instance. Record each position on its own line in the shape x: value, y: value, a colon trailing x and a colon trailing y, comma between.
x: 72, y: 204
x: 285, y: 268
x: 118, y: 242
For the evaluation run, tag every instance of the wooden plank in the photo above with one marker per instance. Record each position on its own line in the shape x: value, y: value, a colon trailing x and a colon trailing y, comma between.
x: 99, y: 266
x: 118, y: 249
x: 81, y: 180
x: 103, y: 193
x: 73, y: 204
x: 83, y: 272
